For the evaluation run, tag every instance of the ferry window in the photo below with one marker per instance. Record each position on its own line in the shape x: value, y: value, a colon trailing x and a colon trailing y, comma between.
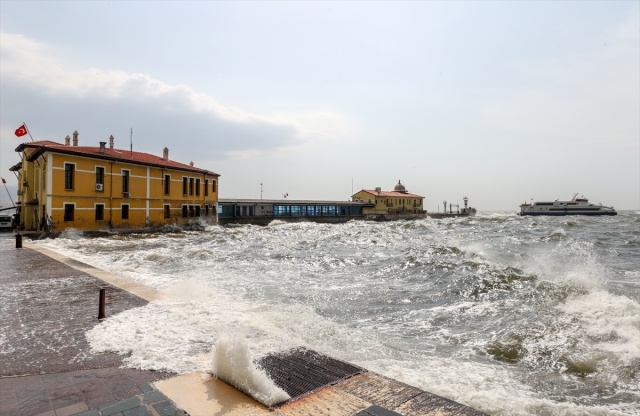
x: 184, y: 186
x: 190, y: 186
x: 125, y: 211
x: 99, y: 176
x: 99, y: 212
x: 68, y: 175
x: 167, y: 184
x: 125, y: 180
x: 206, y: 187
x: 68, y: 212
x: 197, y: 187
x: 167, y: 211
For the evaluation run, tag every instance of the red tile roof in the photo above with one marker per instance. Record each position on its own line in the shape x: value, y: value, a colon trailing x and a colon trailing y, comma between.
x: 391, y: 193
x: 140, y: 158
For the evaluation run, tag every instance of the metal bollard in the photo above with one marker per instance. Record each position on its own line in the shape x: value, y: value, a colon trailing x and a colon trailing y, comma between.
x: 18, y: 240
x: 101, y: 314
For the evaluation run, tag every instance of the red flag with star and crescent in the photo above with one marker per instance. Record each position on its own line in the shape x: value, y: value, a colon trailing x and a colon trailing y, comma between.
x: 21, y: 131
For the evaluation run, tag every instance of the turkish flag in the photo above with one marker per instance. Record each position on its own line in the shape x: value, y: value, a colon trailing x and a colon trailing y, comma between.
x: 21, y: 131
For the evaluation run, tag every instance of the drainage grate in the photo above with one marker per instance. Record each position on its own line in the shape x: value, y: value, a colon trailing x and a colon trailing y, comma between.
x: 301, y: 371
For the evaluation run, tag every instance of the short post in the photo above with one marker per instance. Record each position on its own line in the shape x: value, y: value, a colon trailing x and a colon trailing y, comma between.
x: 103, y: 296
x: 18, y: 240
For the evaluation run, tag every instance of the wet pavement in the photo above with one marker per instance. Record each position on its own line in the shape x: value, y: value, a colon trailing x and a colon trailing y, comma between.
x: 46, y: 364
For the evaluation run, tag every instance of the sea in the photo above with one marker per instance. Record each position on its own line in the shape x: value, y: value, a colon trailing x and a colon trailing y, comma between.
x: 510, y: 315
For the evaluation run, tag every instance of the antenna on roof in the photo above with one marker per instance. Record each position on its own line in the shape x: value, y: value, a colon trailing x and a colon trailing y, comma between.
x: 131, y: 141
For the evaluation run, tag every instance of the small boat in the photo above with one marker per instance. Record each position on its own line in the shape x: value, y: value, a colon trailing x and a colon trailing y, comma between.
x: 577, y: 206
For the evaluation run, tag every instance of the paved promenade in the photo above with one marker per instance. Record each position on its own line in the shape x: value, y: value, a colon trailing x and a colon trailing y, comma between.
x: 48, y: 302
x: 46, y: 365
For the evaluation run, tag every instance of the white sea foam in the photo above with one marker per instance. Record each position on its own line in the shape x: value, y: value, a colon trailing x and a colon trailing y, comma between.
x: 613, y: 322
x: 233, y: 364
x: 394, y: 298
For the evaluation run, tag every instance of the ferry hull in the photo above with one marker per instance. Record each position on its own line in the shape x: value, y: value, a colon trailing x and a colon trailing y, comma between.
x: 563, y: 214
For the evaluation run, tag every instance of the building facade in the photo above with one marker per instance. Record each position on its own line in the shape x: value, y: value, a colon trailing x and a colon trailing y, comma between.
x: 64, y: 186
x: 390, y: 203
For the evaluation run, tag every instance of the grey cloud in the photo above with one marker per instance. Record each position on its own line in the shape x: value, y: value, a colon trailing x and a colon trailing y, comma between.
x: 167, y: 119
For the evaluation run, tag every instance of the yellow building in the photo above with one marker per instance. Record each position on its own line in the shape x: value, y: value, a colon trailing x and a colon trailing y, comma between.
x: 396, y: 202
x: 102, y: 188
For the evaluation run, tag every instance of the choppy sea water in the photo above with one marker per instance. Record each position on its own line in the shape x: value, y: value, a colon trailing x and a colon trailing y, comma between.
x: 510, y: 315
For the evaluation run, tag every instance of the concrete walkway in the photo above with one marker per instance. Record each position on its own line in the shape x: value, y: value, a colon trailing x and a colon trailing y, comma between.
x: 48, y: 302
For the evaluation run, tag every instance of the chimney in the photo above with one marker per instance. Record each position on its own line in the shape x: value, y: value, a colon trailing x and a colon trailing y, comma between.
x: 111, y: 142
x: 191, y: 163
x: 75, y: 138
x: 67, y: 140
x: 378, y: 190
x: 102, y: 147
x: 165, y: 153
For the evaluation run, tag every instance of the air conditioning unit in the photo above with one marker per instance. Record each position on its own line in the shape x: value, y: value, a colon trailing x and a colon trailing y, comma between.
x: 125, y: 194
x: 99, y: 187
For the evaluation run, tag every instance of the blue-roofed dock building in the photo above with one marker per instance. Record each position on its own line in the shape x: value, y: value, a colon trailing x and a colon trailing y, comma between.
x: 263, y: 211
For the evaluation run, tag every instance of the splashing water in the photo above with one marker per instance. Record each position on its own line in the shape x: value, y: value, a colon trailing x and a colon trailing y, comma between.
x: 232, y: 364
x: 510, y: 315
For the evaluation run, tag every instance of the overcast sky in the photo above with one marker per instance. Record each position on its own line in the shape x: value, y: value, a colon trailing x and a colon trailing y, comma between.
x: 498, y: 101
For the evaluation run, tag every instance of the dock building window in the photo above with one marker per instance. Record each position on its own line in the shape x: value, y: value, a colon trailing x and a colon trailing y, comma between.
x: 167, y: 184
x: 197, y: 187
x: 125, y: 211
x: 185, y: 211
x: 68, y: 175
x: 125, y: 181
x: 99, y: 212
x: 68, y: 211
x: 213, y: 186
x: 184, y: 185
x: 99, y: 178
x: 206, y: 187
x: 167, y: 211
x: 197, y: 210
x: 190, y: 186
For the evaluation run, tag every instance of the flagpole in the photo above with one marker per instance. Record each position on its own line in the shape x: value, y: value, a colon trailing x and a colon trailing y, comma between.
x: 8, y: 193
x: 25, y: 126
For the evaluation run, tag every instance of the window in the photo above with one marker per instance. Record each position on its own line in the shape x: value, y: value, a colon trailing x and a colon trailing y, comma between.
x: 167, y: 211
x: 125, y: 211
x: 167, y: 184
x: 184, y: 186
x: 197, y: 210
x: 185, y: 212
x: 190, y: 186
x: 197, y: 187
x: 68, y: 212
x: 213, y: 186
x: 206, y: 208
x: 68, y: 175
x: 125, y: 181
x: 99, y: 177
x: 206, y: 187
x: 99, y: 212
x: 191, y: 210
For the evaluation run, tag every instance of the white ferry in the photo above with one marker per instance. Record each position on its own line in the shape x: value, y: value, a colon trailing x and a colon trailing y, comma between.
x: 577, y: 206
